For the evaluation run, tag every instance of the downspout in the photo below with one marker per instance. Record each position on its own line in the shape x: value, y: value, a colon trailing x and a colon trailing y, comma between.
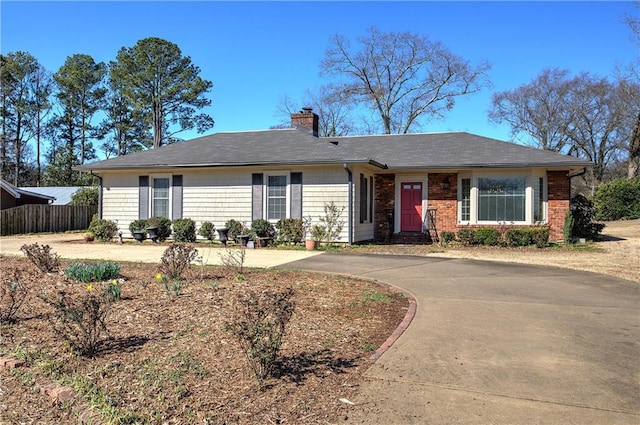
x: 350, y: 208
x: 99, y: 193
x: 575, y: 174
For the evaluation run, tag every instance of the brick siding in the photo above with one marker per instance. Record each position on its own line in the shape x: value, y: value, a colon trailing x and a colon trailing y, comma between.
x: 384, y: 199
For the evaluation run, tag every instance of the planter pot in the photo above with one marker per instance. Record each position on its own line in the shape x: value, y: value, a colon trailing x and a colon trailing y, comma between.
x: 243, y: 239
x: 262, y: 242
x: 153, y: 234
x: 139, y: 236
x: 310, y: 245
x: 222, y: 235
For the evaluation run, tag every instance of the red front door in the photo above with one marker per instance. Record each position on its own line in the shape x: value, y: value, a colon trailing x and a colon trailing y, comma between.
x: 411, y: 207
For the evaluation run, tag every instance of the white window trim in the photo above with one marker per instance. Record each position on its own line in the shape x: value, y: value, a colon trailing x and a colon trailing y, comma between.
x: 408, y: 178
x: 530, y: 179
x: 153, y: 177
x: 265, y: 193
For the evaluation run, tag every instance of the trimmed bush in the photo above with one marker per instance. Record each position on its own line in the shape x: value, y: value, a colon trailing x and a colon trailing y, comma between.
x: 164, y: 227
x: 290, y: 230
x: 467, y: 236
x: 263, y: 229
x: 104, y: 230
x: 184, y: 230
x: 567, y: 229
x: 207, y: 230
x: 583, y: 213
x: 618, y: 200
x: 488, y: 236
x: 447, y: 237
x: 518, y: 237
x: 540, y: 236
x: 93, y: 272
x: 139, y: 225
x: 235, y: 229
x: 85, y: 196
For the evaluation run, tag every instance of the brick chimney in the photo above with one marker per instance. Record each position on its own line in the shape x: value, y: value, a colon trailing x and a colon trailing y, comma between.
x: 306, y: 120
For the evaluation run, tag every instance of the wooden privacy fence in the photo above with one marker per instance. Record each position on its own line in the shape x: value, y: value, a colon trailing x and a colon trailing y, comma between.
x: 45, y: 218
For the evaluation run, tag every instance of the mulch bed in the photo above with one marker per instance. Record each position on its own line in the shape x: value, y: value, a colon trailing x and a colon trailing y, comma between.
x: 170, y: 360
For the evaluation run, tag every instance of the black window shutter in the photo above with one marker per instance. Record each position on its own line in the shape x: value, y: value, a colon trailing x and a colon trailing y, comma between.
x: 143, y: 196
x: 371, y: 199
x: 296, y: 195
x: 363, y: 201
x: 176, y: 202
x: 257, y: 181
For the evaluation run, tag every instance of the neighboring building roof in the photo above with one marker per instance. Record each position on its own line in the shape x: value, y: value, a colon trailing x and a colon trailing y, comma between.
x: 19, y: 192
x: 293, y: 146
x: 269, y: 147
x: 61, y: 194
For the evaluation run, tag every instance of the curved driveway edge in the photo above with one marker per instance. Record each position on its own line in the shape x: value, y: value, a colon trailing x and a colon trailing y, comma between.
x: 501, y: 343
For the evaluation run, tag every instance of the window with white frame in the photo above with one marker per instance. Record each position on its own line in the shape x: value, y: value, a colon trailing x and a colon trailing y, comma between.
x: 276, y: 197
x: 484, y: 198
x: 160, y: 197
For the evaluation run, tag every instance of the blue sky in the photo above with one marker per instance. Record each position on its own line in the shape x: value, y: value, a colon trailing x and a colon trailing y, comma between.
x: 255, y: 52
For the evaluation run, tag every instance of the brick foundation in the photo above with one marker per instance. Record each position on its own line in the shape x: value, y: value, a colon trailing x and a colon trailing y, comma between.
x: 558, y: 196
x: 384, y: 198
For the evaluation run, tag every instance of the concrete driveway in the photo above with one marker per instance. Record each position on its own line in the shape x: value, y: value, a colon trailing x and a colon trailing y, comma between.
x: 495, y: 343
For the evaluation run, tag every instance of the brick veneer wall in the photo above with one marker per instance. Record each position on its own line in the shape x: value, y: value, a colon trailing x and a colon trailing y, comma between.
x: 558, y: 197
x: 445, y: 201
x: 384, y: 199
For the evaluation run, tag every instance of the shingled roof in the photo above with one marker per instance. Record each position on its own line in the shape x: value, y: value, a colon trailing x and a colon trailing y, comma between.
x: 296, y: 147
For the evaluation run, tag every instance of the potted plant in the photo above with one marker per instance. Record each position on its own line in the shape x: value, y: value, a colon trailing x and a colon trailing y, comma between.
x: 317, y: 235
x: 263, y: 230
x: 89, y: 236
x: 138, y: 229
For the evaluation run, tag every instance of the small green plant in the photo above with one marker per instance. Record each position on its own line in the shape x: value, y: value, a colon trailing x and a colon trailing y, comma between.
x: 114, y: 289
x: 331, y: 222
x: 368, y: 347
x: 487, y: 236
x: 236, y: 229
x: 567, y: 229
x: 104, y: 230
x: 467, y: 236
x: 318, y: 232
x: 80, y: 320
x: 258, y: 323
x: 176, y: 259
x: 290, y: 230
x: 540, y: 236
x: 93, y: 272
x: 447, y: 236
x: 372, y: 296
x: 172, y: 286
x: 164, y: 227
x: 13, y: 294
x: 42, y: 257
x: 262, y: 228
x: 184, y: 230
x: 207, y: 230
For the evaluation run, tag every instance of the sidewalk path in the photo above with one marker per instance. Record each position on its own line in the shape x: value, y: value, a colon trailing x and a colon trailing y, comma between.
x: 499, y: 343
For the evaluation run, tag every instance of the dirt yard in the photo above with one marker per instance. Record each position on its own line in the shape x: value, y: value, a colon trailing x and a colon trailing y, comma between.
x: 617, y: 254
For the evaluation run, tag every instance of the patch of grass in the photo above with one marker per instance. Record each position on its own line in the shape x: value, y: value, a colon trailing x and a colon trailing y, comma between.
x: 368, y: 347
x: 579, y: 247
x: 372, y: 296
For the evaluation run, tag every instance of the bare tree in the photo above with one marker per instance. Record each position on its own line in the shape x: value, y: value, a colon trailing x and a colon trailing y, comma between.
x: 633, y: 168
x: 335, y: 115
x: 541, y: 110
x: 402, y: 76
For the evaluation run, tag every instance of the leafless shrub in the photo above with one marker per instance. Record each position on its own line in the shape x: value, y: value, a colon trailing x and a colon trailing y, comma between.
x: 233, y: 259
x: 176, y: 259
x: 259, y: 323
x: 13, y: 294
x: 42, y: 257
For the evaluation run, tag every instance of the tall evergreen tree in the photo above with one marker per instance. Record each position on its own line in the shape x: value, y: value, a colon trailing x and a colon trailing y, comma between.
x: 165, y: 88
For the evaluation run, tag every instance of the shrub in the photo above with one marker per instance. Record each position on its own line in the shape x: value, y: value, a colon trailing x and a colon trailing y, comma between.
x: 583, y: 213
x: 184, y: 230
x: 447, y: 236
x: 164, y: 227
x: 467, y: 236
x: 42, y: 257
x: 290, y: 230
x: 207, y: 230
x: 518, y: 237
x: 487, y: 236
x: 176, y: 259
x: 618, y: 200
x: 81, y: 321
x: 139, y: 225
x: 259, y: 323
x: 104, y: 230
x: 540, y: 236
x: 235, y: 229
x: 567, y: 230
x: 85, y: 196
x: 13, y: 293
x: 233, y: 259
x: 93, y: 272
x: 262, y: 228
x: 331, y: 223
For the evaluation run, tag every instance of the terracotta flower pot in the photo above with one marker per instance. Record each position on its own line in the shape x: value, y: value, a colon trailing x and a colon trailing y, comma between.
x: 310, y: 244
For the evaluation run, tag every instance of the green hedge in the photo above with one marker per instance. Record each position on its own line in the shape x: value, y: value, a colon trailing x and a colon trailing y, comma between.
x: 618, y: 200
x: 184, y: 230
x: 104, y: 230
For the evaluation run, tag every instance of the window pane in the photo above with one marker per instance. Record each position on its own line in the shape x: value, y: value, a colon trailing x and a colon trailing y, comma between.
x: 276, y: 197
x: 465, y: 213
x: 160, y: 198
x: 501, y: 199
